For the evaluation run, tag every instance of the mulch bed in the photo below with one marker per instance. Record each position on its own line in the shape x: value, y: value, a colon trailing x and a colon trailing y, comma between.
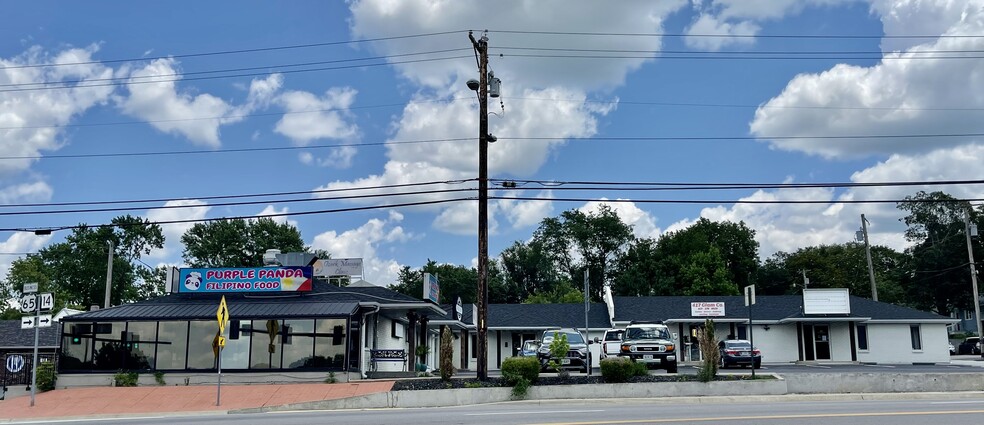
x: 438, y: 384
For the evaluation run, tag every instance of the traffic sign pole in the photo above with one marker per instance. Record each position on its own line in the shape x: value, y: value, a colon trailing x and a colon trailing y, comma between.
x: 34, y: 365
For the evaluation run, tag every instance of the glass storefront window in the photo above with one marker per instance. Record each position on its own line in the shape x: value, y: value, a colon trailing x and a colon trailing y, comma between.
x: 109, y: 350
x: 298, y: 343
x: 200, y: 336
x: 172, y: 343
x: 141, y: 337
x: 236, y: 352
x: 331, y: 342
x: 265, y: 349
x: 76, y: 348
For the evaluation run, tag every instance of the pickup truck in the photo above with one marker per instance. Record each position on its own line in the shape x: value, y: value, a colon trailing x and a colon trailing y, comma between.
x: 610, y: 343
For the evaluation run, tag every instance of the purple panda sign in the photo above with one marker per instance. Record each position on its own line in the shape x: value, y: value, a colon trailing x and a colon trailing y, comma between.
x: 255, y: 279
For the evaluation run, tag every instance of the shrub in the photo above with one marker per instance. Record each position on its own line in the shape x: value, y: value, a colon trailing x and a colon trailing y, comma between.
x: 46, y: 376
x: 447, y: 354
x: 558, y: 350
x: 159, y: 378
x: 620, y: 369
x: 520, y: 389
x: 125, y: 379
x: 709, y: 349
x: 516, y: 368
x: 331, y: 379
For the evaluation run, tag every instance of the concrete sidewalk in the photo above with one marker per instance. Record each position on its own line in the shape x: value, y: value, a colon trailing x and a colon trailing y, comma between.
x: 124, y: 401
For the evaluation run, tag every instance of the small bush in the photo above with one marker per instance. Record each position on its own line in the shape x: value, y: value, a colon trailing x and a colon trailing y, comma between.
x: 125, y: 379
x: 520, y: 388
x: 709, y: 349
x: 515, y: 368
x: 558, y: 350
x: 620, y: 369
x: 473, y: 385
x: 159, y: 378
x: 447, y: 354
x: 331, y: 379
x: 46, y: 376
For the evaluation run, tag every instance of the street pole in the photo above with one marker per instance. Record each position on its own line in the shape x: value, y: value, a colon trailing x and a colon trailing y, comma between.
x: 481, y: 46
x: 587, y: 306
x: 867, y: 252
x: 973, y: 276
x: 109, y: 274
x: 34, y: 364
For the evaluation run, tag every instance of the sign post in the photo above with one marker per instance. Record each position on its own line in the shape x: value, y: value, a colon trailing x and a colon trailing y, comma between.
x: 32, y: 307
x: 587, y: 306
x: 222, y: 315
x: 750, y: 301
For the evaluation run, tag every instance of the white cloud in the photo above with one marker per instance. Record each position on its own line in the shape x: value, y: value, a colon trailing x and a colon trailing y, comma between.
x: 277, y: 215
x: 311, y: 117
x: 526, y: 213
x: 340, y: 157
x: 154, y: 97
x: 195, y: 210
x: 19, y: 242
x: 363, y: 242
x: 707, y: 24
x: 27, y: 192
x: 902, y: 96
x: 31, y: 120
x: 643, y: 223
x: 382, y: 18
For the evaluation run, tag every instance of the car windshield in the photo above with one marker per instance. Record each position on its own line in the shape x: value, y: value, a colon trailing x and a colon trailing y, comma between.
x: 572, y: 337
x: 647, y: 333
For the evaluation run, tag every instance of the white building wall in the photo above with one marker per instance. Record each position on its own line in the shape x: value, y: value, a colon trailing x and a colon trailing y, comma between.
x: 891, y: 343
x: 840, y: 342
x: 386, y: 341
x: 778, y: 344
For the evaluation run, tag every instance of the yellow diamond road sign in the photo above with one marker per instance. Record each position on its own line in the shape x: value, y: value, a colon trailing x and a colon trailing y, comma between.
x: 222, y: 314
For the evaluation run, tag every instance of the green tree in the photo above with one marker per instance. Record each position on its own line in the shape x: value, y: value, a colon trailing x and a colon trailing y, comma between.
x: 75, y: 270
x: 637, y: 273
x: 708, y: 274
x: 596, y: 237
x: 455, y: 280
x: 735, y: 245
x: 528, y: 268
x: 238, y: 242
x: 563, y: 293
x: 939, y: 277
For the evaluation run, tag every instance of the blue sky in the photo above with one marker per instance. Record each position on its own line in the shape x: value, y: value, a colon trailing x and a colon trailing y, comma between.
x: 153, y: 81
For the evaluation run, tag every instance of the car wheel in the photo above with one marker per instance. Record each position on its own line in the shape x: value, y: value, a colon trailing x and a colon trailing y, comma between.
x: 672, y: 368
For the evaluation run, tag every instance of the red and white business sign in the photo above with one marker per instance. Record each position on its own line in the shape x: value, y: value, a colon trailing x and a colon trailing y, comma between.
x: 712, y: 309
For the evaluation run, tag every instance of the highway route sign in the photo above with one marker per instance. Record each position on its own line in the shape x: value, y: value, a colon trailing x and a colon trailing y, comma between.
x: 30, y: 288
x: 47, y: 301
x: 42, y: 321
x: 29, y: 303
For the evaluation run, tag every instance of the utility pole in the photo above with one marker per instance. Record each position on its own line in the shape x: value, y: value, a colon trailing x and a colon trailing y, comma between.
x: 481, y: 47
x: 973, y: 271
x: 806, y: 280
x: 109, y: 274
x: 867, y: 252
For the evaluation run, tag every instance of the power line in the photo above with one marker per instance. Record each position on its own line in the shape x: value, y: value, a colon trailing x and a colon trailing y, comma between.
x: 737, y: 53
x: 555, y: 184
x: 716, y: 57
x: 728, y: 201
x: 240, y: 150
x: 793, y: 36
x: 249, y: 74
x: 237, y: 51
x: 269, y: 69
x: 618, y: 102
x: 238, y: 203
x: 592, y: 138
x: 243, y: 217
x: 239, y: 196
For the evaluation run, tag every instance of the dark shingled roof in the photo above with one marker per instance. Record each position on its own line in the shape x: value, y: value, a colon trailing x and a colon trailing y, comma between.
x: 767, y: 308
x: 13, y: 337
x: 541, y: 316
x: 324, y: 300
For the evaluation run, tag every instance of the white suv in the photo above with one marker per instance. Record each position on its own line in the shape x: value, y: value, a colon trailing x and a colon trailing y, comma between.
x: 650, y: 343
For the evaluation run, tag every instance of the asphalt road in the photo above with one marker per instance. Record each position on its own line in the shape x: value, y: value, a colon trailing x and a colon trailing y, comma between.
x: 901, y: 411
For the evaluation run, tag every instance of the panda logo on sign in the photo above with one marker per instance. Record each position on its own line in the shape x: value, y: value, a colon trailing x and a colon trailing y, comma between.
x: 193, y: 281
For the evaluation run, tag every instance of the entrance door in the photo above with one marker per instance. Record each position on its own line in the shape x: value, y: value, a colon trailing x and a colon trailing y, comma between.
x: 821, y: 341
x: 518, y: 339
x: 693, y: 347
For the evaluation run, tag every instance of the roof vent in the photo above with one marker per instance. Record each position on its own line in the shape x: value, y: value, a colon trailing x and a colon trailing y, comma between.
x: 270, y: 257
